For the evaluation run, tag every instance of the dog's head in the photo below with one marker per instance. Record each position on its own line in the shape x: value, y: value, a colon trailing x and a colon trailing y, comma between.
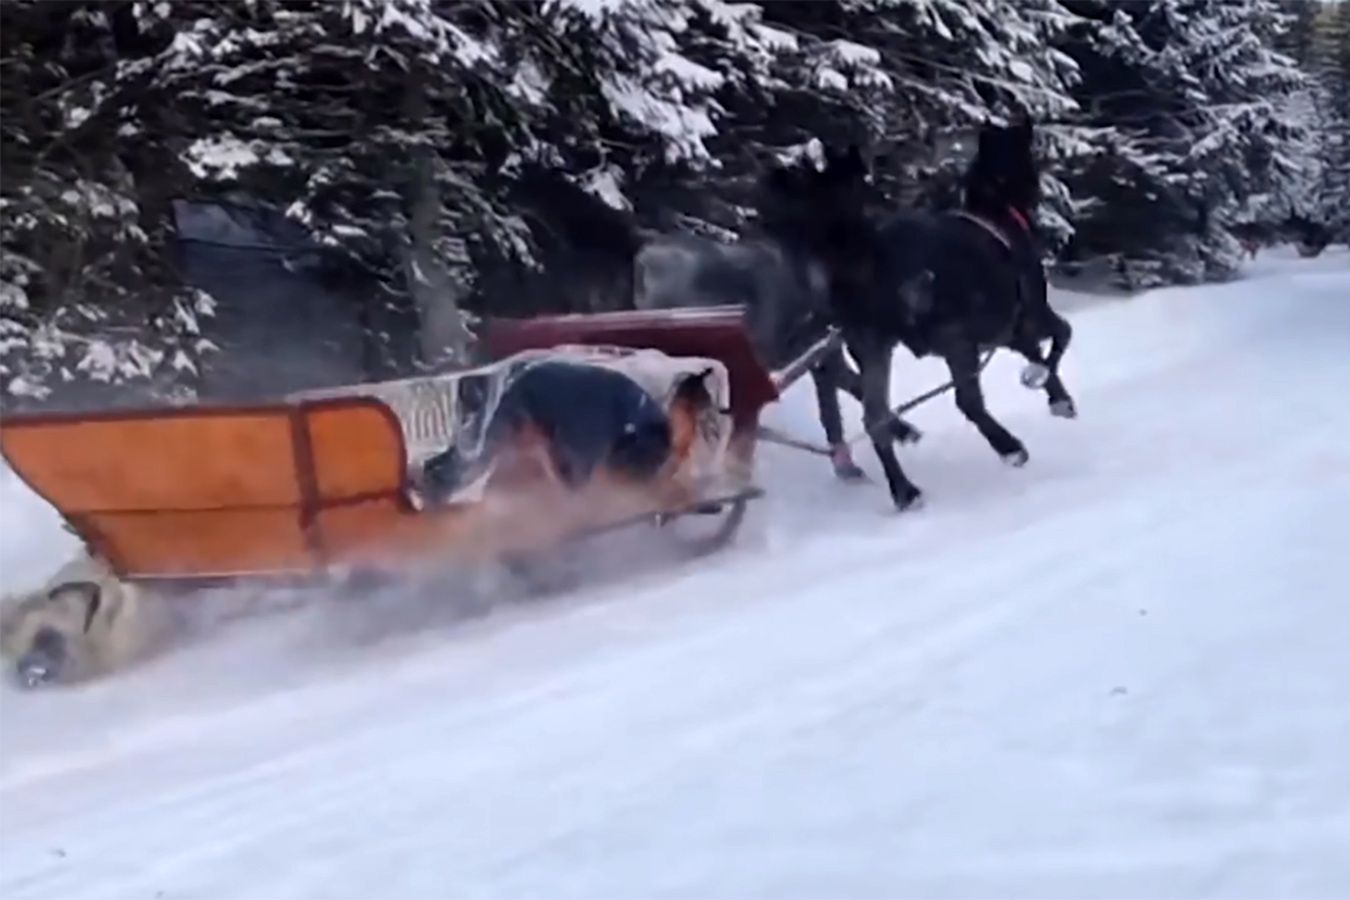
x: 44, y: 633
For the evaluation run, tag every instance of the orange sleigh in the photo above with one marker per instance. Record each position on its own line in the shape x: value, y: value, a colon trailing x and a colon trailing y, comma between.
x: 304, y: 486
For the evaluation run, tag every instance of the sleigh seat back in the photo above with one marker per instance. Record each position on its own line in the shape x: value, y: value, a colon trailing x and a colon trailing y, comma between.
x: 209, y: 491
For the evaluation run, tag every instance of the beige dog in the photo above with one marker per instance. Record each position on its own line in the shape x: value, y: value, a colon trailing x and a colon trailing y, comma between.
x: 82, y: 624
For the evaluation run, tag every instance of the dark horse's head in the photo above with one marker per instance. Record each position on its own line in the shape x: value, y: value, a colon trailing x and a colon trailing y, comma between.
x: 823, y: 213
x: 801, y: 204
x: 1004, y: 173
x: 584, y: 245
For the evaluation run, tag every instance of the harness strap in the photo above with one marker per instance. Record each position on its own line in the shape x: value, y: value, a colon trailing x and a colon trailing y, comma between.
x: 993, y: 229
x: 1000, y: 234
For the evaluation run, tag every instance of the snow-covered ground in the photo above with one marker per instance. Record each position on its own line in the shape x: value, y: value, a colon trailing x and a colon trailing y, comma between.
x: 1122, y: 671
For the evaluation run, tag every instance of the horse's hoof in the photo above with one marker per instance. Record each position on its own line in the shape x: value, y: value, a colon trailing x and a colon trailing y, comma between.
x: 33, y: 676
x: 909, y: 501
x: 1017, y: 459
x: 845, y: 469
x: 905, y: 433
x: 1035, y: 376
x: 850, y: 472
x: 1064, y: 409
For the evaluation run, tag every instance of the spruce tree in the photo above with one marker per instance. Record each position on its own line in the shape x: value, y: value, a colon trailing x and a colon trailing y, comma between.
x: 1194, y: 125
x: 89, y: 295
x: 1331, y: 67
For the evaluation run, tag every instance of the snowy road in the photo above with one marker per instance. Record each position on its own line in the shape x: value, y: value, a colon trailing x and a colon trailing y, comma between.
x: 1120, y: 672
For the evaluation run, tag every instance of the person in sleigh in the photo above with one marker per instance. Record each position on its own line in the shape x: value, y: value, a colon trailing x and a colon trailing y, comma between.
x: 573, y: 420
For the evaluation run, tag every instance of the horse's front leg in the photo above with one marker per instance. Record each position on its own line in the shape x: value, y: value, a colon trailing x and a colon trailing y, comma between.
x: 851, y: 383
x: 1061, y: 333
x: 963, y: 361
x: 1039, y: 322
x: 825, y: 378
x: 874, y: 358
x: 1039, y: 373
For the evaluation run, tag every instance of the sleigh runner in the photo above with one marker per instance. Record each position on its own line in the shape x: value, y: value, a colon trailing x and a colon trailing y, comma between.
x: 327, y: 481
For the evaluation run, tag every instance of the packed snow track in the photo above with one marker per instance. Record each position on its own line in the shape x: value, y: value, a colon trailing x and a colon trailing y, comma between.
x: 1119, y: 672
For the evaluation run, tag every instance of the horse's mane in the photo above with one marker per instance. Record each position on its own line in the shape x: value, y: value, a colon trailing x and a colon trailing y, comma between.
x: 1004, y: 172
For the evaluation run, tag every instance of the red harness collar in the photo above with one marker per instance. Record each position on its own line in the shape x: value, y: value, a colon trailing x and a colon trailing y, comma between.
x: 998, y: 232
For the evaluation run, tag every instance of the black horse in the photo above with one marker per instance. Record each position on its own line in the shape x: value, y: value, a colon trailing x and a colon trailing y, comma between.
x: 780, y: 279
x: 949, y: 284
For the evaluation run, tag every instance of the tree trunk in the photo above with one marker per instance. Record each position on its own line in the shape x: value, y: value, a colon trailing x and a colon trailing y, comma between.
x: 436, y: 290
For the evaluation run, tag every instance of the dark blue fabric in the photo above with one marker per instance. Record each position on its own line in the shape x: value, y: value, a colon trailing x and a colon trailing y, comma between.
x: 591, y: 416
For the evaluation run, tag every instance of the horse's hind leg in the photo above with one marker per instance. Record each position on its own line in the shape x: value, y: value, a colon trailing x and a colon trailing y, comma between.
x: 963, y: 361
